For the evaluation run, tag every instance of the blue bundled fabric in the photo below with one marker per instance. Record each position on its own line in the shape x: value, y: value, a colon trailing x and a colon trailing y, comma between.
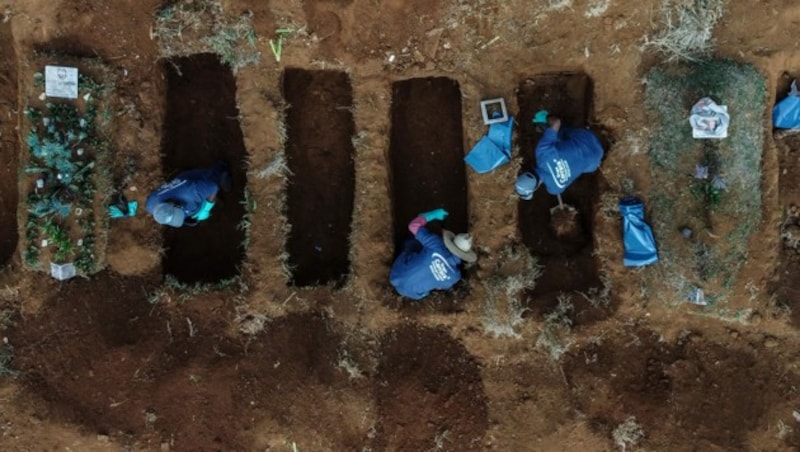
x: 637, y: 237
x: 786, y: 113
x: 494, y: 149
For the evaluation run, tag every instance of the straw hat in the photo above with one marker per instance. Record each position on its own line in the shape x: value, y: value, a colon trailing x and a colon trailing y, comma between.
x: 460, y: 245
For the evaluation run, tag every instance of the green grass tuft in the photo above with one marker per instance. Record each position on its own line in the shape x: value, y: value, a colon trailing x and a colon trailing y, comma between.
x: 724, y: 220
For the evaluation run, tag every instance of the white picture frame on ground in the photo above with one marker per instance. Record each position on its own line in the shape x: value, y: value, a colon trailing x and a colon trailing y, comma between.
x: 62, y: 272
x: 490, y: 106
x: 61, y: 81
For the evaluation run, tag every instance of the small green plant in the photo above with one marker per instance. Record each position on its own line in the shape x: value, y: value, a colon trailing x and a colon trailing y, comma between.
x: 60, y: 239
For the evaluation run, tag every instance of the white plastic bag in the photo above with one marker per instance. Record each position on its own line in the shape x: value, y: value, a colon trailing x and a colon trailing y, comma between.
x: 709, y: 120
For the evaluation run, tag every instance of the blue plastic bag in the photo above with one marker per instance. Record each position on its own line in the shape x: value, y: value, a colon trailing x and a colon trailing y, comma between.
x: 494, y: 149
x: 786, y: 113
x: 637, y: 237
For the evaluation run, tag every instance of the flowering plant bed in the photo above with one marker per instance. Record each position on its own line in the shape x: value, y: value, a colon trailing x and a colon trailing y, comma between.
x: 64, y: 176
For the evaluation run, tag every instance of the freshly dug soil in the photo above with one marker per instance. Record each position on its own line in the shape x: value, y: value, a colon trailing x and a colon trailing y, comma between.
x: 566, y: 223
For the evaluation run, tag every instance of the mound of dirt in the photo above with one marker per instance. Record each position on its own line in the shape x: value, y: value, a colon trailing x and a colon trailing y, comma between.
x: 566, y: 223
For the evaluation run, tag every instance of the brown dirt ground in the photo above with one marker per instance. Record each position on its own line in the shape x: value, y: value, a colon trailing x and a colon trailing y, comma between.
x: 119, y: 361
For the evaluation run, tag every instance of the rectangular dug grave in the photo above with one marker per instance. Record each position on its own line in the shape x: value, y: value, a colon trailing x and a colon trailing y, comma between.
x: 9, y: 145
x: 64, y: 174
x: 201, y: 128
x: 427, y: 154
x: 788, y: 288
x: 568, y: 262
x: 319, y: 153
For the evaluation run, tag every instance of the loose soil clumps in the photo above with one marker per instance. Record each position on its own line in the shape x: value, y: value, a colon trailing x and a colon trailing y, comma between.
x: 201, y: 127
x: 319, y: 153
x: 429, y: 391
x: 691, y: 392
x: 99, y: 356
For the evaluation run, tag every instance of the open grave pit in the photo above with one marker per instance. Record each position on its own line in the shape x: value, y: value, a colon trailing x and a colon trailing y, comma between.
x: 568, y: 259
x: 426, y: 155
x: 788, y: 287
x: 319, y: 154
x: 201, y: 128
x: 9, y: 145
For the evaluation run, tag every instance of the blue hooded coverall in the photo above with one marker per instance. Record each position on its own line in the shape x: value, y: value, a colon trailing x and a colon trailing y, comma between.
x: 188, y: 189
x: 562, y: 156
x: 424, y: 265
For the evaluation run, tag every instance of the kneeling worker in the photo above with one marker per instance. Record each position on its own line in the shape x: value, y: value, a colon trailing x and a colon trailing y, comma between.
x: 562, y: 155
x: 429, y: 262
x: 188, y: 198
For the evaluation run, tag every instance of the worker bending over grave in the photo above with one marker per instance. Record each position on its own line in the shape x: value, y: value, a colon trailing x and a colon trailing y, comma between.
x: 188, y: 198
x: 429, y: 262
x: 562, y: 155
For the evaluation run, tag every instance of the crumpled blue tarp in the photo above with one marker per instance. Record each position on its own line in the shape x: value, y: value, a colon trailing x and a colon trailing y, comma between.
x: 494, y: 149
x: 786, y: 113
x: 637, y: 237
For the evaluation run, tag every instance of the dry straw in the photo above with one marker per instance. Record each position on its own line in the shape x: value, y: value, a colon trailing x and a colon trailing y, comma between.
x: 687, y: 32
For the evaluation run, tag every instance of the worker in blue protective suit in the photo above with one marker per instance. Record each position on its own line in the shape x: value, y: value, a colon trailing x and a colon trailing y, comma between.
x: 562, y: 155
x: 429, y: 262
x: 188, y: 198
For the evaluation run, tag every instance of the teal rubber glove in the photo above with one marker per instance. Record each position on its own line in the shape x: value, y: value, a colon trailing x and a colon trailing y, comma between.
x: 435, y: 214
x: 116, y: 212
x: 204, y: 211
